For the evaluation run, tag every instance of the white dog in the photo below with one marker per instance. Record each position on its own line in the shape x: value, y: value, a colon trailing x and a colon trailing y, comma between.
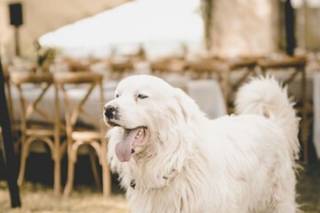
x: 172, y: 159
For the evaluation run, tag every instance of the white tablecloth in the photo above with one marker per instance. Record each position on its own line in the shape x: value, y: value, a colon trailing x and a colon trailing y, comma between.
x: 75, y: 94
x: 316, y: 112
x: 208, y: 95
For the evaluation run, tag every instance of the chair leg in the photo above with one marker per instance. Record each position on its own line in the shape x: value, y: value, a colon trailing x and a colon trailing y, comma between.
x: 94, y: 170
x: 57, y: 175
x: 23, y: 161
x: 106, y: 179
x: 69, y: 185
x: 56, y: 153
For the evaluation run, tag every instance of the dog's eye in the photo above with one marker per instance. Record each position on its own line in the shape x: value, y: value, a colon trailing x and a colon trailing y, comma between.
x: 141, y: 96
x: 117, y: 95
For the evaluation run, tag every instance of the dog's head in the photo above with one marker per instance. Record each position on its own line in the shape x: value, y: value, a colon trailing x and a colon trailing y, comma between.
x: 144, y: 107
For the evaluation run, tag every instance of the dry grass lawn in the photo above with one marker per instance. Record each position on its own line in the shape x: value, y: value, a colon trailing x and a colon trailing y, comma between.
x: 40, y: 199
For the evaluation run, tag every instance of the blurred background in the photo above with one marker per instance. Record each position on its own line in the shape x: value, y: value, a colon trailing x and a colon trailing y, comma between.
x: 62, y: 60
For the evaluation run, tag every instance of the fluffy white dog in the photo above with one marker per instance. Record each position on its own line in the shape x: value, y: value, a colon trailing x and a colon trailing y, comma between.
x: 172, y: 159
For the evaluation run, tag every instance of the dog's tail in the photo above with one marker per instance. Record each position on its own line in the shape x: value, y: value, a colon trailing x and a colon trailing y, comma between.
x: 265, y: 96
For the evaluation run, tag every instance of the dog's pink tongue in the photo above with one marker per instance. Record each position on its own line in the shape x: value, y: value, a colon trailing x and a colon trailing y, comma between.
x: 124, y: 149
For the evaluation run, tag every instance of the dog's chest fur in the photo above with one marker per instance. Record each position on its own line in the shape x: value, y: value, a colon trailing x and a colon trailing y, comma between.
x: 154, y: 188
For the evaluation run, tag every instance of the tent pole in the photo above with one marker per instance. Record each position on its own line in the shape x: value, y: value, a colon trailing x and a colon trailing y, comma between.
x: 17, y: 41
x: 289, y: 27
x: 8, y: 153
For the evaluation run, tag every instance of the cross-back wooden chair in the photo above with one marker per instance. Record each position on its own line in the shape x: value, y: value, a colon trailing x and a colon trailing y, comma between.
x: 121, y: 67
x: 43, y: 128
x: 238, y: 71
x: 81, y: 135
x: 174, y: 64
x: 15, y: 126
x: 209, y: 68
x: 246, y: 65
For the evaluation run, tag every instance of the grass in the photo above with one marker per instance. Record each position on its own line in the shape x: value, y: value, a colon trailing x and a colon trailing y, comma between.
x: 40, y: 199
x: 308, y: 189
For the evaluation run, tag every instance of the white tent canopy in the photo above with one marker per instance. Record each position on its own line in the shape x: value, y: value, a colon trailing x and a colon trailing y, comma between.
x: 308, y: 3
x: 42, y: 16
x: 137, y: 22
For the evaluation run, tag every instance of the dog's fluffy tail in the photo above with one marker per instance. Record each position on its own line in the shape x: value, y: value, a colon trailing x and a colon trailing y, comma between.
x: 265, y: 96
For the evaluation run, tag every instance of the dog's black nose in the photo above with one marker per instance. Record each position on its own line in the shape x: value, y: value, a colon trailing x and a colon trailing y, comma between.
x: 110, y: 112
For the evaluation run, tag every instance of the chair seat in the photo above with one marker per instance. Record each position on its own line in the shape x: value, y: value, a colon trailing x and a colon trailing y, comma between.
x: 40, y: 132
x: 86, y: 135
x: 40, y: 128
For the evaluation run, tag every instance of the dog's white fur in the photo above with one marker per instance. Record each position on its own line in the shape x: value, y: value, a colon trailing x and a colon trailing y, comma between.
x: 235, y: 164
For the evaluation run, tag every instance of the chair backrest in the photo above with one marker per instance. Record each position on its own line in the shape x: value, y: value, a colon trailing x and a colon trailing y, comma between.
x: 34, y: 106
x: 76, y: 90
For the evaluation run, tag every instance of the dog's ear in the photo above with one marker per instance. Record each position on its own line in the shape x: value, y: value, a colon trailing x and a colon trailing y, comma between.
x: 189, y: 108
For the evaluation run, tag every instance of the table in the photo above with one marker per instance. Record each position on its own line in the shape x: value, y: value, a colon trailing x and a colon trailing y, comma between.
x: 206, y: 92
x: 316, y: 112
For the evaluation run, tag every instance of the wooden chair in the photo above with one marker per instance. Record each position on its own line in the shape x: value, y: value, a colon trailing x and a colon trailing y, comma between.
x: 229, y: 72
x: 167, y: 65
x: 120, y: 67
x: 246, y: 65
x: 210, y: 68
x: 75, y: 65
x: 238, y: 71
x: 46, y: 131
x: 15, y: 125
x: 138, y: 56
x: 80, y: 135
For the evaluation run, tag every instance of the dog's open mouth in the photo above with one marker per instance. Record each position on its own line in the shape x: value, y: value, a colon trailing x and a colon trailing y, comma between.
x: 112, y: 124
x: 132, y: 138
